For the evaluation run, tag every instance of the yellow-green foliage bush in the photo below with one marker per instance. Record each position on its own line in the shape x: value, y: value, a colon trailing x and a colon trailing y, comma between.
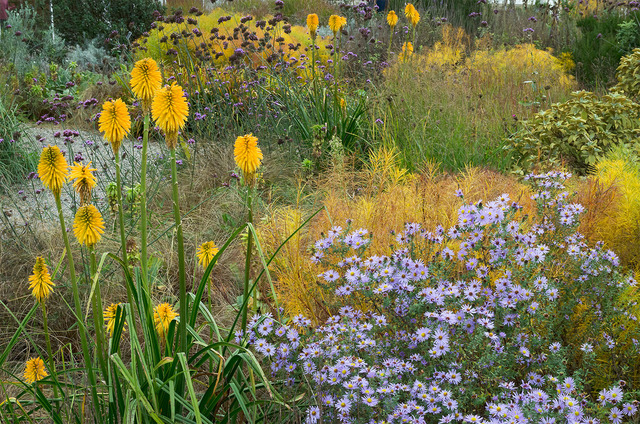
x: 510, y: 75
x: 577, y: 132
x: 195, y: 39
x: 455, y: 104
x: 628, y: 75
x: 381, y: 199
x: 612, y: 214
x: 616, y: 220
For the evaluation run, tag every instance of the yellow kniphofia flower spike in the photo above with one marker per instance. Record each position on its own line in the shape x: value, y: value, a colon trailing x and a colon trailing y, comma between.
x: 146, y: 80
x: 114, y: 122
x: 40, y: 282
x: 170, y: 110
x: 53, y: 169
x: 248, y: 156
x: 83, y: 180
x: 34, y: 370
x: 206, y: 252
x: 88, y: 225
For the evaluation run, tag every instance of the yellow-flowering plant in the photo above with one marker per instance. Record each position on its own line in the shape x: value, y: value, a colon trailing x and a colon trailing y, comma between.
x: 336, y: 23
x: 34, y: 370
x: 146, y: 79
x: 170, y: 111
x: 53, y: 169
x: 83, y: 180
x: 115, y: 123
x: 312, y: 24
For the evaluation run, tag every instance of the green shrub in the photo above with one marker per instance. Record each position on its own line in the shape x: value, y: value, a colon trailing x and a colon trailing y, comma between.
x: 80, y: 20
x: 628, y: 75
x: 576, y: 132
x: 25, y: 46
x: 15, y: 161
x: 605, y: 39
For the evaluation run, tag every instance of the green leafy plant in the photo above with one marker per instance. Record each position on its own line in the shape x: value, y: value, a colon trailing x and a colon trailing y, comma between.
x: 576, y: 132
x: 628, y: 75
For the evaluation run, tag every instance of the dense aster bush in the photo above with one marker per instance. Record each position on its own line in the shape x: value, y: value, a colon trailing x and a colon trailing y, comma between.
x: 470, y: 322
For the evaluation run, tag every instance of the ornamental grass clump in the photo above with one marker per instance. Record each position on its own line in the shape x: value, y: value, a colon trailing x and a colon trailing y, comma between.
x: 464, y: 322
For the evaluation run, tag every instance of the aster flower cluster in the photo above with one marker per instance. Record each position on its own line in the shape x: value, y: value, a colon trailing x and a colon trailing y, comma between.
x: 466, y: 324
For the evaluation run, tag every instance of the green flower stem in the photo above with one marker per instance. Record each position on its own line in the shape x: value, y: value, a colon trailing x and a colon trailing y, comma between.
x: 313, y: 65
x: 123, y: 238
x: 86, y: 354
x: 49, y: 351
x: 184, y: 316
x: 143, y: 203
x: 98, y: 317
x: 247, y: 266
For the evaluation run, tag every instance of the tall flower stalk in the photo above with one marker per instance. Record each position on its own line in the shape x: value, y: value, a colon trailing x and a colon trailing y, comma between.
x: 115, y: 123
x: 413, y: 16
x: 248, y: 157
x: 41, y: 287
x: 146, y: 80
x: 392, y: 20
x: 312, y: 24
x: 53, y: 169
x: 170, y: 111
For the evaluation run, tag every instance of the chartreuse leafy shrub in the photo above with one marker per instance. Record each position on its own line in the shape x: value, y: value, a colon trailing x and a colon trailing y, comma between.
x: 463, y: 322
x: 576, y: 133
x: 628, y: 75
x: 381, y: 198
x: 455, y: 107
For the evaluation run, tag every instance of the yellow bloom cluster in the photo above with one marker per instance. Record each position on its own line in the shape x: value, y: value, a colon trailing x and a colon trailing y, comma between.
x: 206, y: 252
x: 248, y: 156
x: 163, y: 314
x: 83, y: 180
x: 336, y: 23
x: 110, y: 317
x: 114, y: 122
x: 40, y: 281
x: 412, y: 14
x: 392, y: 19
x: 312, y: 24
x: 170, y: 111
x: 145, y: 81
x: 88, y: 225
x: 35, y: 370
x: 53, y: 169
